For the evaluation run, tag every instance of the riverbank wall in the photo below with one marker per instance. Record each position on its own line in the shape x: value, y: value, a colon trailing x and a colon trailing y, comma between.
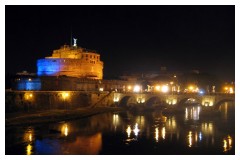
x: 17, y: 101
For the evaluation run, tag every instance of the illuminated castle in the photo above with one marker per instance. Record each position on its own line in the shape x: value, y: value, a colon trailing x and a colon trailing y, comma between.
x: 71, y: 61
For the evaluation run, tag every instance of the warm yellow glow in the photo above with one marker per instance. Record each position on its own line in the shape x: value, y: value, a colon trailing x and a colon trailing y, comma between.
x: 29, y: 149
x: 227, y: 143
x: 115, y: 99
x: 224, y: 145
x: 136, y: 130
x: 28, y: 96
x: 156, y: 134
x: 165, y: 89
x: 211, y: 103
x: 174, y: 101
x: 65, y: 130
x: 207, y: 128
x: 30, y: 137
x: 230, y: 141
x: 129, y: 87
x: 115, y: 120
x: 163, y: 132
x: 140, y: 100
x: 186, y: 114
x: 101, y: 89
x: 196, y: 137
x: 136, y: 88
x: 158, y: 88
x: 190, y: 88
x: 230, y: 90
x: 65, y: 95
x: 128, y: 130
x: 189, y: 139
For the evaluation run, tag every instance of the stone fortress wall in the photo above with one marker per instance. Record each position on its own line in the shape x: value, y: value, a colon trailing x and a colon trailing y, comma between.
x: 73, y: 62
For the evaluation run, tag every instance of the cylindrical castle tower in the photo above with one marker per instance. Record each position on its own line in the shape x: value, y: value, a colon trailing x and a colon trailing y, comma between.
x: 71, y: 61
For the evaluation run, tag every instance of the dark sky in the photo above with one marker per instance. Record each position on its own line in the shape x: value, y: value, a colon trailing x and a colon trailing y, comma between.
x: 129, y: 38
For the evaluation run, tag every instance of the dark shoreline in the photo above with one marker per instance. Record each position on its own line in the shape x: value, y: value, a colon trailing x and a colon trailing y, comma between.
x: 50, y: 116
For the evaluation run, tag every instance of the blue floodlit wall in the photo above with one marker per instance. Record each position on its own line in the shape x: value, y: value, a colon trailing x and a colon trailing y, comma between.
x: 48, y: 67
x: 26, y: 84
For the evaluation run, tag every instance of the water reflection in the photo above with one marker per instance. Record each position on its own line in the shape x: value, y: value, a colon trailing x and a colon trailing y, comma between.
x: 28, y: 138
x: 207, y: 128
x: 136, y: 130
x: 227, y: 143
x: 28, y: 135
x: 65, y: 130
x: 29, y: 149
x: 189, y: 139
x: 122, y: 133
x: 163, y: 133
x: 129, y: 130
x: 192, y: 113
x: 156, y: 134
x: 115, y: 121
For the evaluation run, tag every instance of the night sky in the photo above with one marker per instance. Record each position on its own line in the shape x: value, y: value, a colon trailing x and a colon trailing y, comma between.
x: 129, y: 38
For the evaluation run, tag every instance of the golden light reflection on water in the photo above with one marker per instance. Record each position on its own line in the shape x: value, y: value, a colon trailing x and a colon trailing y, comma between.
x: 190, y: 139
x: 115, y: 121
x: 65, y: 129
x: 192, y: 113
x: 29, y: 149
x: 129, y: 130
x: 140, y: 120
x: 136, y: 130
x: 156, y: 134
x: 83, y: 144
x: 171, y: 123
x: 28, y: 137
x: 163, y: 132
x: 207, y: 128
x: 227, y: 143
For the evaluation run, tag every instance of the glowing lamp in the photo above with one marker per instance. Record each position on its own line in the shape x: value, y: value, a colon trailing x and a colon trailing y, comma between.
x: 165, y: 89
x: 65, y: 95
x: 157, y: 88
x: 136, y: 88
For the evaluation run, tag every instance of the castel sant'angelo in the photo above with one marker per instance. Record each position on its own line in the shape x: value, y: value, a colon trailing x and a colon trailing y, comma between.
x: 71, y: 61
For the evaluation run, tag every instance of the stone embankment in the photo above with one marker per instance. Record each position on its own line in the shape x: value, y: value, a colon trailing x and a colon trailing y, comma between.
x: 49, y: 116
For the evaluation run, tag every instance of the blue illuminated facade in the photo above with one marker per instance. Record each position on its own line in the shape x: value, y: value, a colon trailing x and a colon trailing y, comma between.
x: 28, y: 84
x: 49, y: 67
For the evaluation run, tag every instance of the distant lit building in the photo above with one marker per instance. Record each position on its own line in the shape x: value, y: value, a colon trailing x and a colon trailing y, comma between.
x: 71, y: 61
x: 26, y: 81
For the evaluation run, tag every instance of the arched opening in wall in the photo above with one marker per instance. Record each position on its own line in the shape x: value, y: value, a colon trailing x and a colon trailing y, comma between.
x: 189, y: 101
x: 127, y: 101
x: 154, y: 102
x: 224, y: 104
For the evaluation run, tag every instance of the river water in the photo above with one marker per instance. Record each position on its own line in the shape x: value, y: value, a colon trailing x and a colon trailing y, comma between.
x: 125, y: 133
